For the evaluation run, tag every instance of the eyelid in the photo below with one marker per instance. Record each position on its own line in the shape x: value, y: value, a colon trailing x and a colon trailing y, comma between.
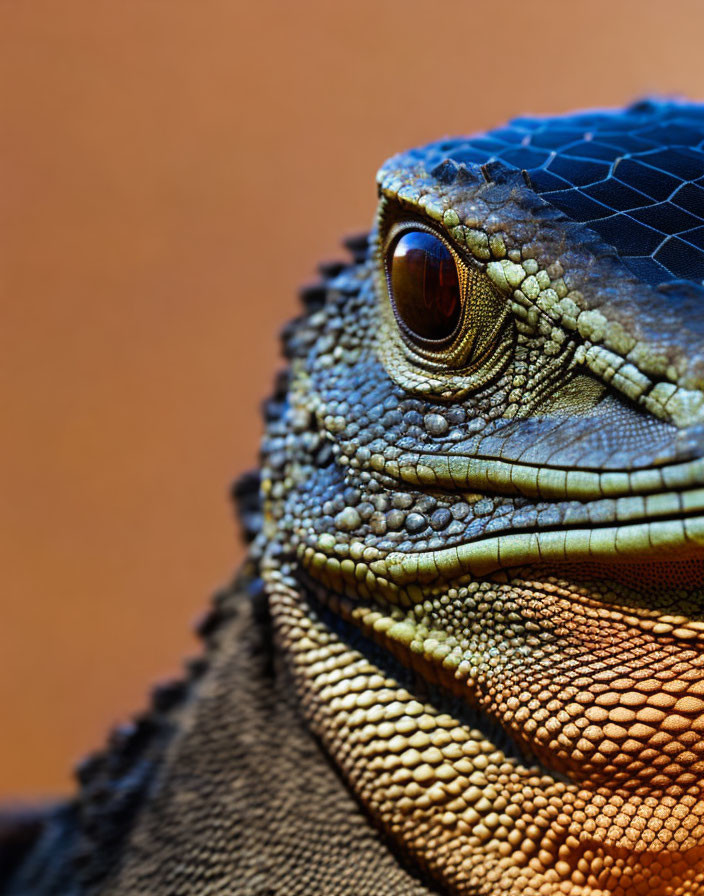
x: 398, y: 228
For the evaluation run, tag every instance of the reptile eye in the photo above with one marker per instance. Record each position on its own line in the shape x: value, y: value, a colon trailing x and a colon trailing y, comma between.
x: 424, y: 286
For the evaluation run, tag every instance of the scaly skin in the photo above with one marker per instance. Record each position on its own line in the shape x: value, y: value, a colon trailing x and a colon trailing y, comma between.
x: 481, y: 558
x: 485, y: 561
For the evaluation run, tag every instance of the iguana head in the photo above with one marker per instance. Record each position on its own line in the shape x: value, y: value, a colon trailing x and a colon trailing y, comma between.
x: 484, y: 507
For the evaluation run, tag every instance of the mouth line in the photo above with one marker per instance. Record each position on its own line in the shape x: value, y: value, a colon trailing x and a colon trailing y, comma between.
x: 491, y: 475
x: 645, y: 539
x: 399, y: 576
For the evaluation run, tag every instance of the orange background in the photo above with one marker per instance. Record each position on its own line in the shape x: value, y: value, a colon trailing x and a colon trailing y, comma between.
x: 170, y: 171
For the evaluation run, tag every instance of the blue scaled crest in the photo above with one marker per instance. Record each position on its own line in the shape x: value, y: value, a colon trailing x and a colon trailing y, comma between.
x: 634, y: 176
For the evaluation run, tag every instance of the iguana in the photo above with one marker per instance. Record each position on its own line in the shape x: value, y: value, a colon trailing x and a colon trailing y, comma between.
x: 466, y: 653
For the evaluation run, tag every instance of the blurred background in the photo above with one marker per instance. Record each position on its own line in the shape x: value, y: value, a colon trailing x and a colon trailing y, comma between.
x: 170, y: 172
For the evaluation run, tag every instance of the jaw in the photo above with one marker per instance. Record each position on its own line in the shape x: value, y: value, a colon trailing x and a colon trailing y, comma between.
x: 477, y: 777
x: 597, y: 676
x: 549, y: 685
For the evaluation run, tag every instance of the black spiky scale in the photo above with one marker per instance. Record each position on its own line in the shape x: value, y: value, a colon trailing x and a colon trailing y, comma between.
x: 635, y: 177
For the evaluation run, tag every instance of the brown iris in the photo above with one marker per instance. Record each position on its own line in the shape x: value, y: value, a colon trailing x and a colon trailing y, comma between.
x: 424, y: 286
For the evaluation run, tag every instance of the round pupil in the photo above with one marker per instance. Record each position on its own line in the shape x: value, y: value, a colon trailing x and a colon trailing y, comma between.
x: 425, y: 288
